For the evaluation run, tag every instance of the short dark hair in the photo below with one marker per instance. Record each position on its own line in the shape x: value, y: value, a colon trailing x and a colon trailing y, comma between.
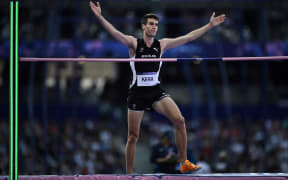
x: 147, y: 16
x: 168, y: 135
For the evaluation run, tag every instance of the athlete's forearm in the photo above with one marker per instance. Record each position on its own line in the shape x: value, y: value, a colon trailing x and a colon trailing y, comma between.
x: 171, y: 43
x: 199, y: 32
x: 96, y: 9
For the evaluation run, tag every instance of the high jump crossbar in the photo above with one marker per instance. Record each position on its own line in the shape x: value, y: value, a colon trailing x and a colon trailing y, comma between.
x: 263, y: 58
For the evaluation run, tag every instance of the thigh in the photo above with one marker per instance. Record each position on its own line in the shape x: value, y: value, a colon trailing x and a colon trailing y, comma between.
x: 134, y: 121
x: 168, y: 108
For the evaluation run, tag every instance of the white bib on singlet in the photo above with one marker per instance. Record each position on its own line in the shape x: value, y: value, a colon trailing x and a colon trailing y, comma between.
x: 147, y: 79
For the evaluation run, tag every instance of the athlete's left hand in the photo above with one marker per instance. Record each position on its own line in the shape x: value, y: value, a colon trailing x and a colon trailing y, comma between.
x: 215, y: 21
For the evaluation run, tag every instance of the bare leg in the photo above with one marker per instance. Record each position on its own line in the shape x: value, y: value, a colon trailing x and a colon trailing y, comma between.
x: 168, y: 108
x: 134, y: 121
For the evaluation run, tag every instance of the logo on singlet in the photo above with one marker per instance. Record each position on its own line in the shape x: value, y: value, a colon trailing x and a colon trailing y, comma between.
x: 148, y: 56
x: 156, y: 49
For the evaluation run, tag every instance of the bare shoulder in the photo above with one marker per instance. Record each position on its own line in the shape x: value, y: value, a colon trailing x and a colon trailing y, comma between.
x: 163, y: 44
x: 132, y: 42
x: 132, y: 45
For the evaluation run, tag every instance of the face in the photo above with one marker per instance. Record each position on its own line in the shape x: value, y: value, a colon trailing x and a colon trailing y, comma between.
x: 150, y: 28
x: 165, y: 141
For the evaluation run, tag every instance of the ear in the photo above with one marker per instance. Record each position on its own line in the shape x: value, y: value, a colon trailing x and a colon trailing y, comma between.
x: 142, y: 26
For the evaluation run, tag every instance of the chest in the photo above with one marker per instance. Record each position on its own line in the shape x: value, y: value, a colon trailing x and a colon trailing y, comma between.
x: 143, y: 51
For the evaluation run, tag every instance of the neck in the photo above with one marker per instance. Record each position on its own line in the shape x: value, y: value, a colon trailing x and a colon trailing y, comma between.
x: 148, y: 40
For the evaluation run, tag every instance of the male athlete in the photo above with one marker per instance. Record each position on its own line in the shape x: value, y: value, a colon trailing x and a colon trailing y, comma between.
x: 144, y: 91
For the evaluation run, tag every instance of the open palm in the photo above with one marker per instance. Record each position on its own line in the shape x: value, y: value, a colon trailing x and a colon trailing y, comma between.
x: 215, y: 21
x: 95, y: 8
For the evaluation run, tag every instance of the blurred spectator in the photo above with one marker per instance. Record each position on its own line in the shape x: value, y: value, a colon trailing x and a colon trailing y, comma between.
x: 164, y: 155
x: 5, y: 33
x: 4, y: 147
x: 205, y: 166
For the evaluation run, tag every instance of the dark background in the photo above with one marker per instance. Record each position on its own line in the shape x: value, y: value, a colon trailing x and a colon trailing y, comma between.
x: 72, y: 115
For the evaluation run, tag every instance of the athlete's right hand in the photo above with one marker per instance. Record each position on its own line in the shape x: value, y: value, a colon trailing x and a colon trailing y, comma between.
x: 95, y: 8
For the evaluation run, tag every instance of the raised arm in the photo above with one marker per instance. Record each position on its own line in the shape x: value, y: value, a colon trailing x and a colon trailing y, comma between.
x: 127, y: 40
x: 174, y: 42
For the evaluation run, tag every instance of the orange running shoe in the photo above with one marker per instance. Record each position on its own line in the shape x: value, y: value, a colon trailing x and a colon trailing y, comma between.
x: 188, y: 167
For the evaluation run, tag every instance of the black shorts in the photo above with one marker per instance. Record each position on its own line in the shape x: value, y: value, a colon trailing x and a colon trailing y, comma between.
x: 142, y: 98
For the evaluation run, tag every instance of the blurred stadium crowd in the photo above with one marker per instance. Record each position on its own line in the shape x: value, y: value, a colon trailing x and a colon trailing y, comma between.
x: 90, y: 147
x: 72, y: 116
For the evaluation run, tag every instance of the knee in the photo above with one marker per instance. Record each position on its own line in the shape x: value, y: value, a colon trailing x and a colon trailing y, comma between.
x: 132, y: 138
x: 179, y: 122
